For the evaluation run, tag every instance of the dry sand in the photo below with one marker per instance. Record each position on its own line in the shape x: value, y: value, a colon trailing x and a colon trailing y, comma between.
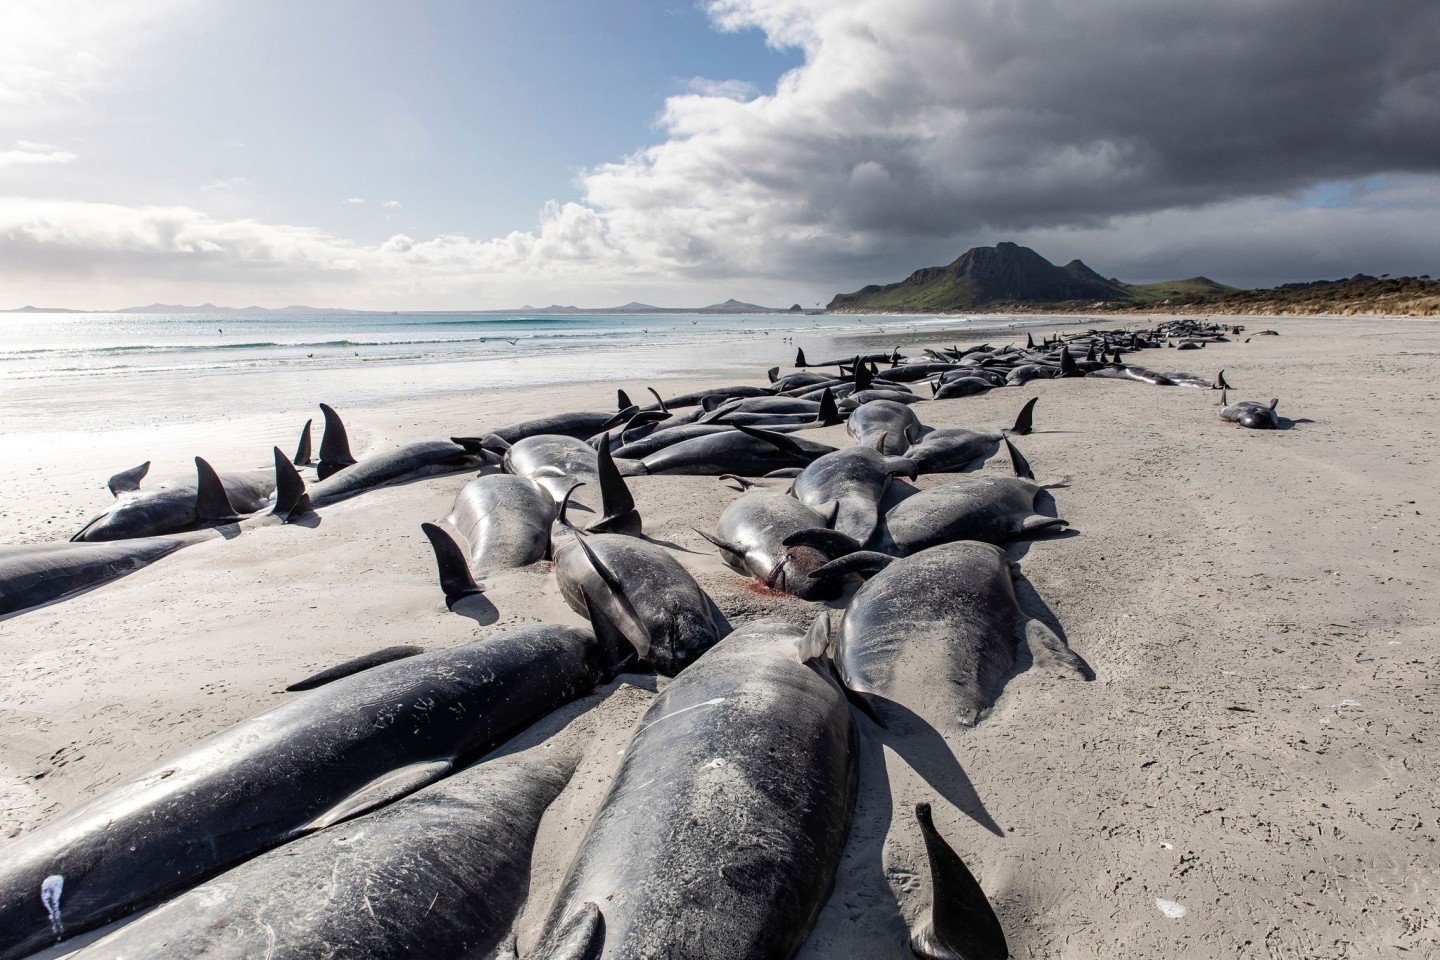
x: 1251, y: 773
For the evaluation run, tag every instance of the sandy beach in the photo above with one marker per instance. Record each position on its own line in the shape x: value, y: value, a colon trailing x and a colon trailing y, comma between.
x: 1250, y: 773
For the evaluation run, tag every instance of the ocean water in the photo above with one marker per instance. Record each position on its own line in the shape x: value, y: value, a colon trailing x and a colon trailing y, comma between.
x: 107, y: 344
x: 91, y: 371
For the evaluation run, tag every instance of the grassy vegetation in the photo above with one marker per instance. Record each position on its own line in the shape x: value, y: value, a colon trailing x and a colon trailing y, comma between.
x: 1173, y: 289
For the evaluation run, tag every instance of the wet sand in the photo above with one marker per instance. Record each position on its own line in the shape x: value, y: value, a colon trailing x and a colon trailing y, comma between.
x: 1259, y: 610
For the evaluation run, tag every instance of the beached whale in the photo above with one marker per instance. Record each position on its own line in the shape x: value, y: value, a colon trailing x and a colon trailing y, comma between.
x: 751, y: 535
x: 1251, y: 413
x: 560, y: 463
x: 641, y: 592
x: 504, y: 521
x: 440, y: 873
x: 984, y: 507
x: 723, y: 829
x: 854, y: 478
x: 213, y: 499
x: 344, y: 480
x: 885, y: 425
x: 934, y: 635
x: 746, y: 451
x: 33, y: 574
x: 322, y: 757
x: 954, y: 448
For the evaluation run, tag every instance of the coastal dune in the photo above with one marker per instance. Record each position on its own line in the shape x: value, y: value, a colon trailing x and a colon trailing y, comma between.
x: 1250, y: 772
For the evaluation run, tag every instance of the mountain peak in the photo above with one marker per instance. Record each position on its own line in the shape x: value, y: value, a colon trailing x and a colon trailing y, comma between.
x: 1006, y: 272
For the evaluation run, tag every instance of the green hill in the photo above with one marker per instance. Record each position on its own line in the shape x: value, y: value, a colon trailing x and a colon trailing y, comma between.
x: 1172, y: 289
x: 984, y: 276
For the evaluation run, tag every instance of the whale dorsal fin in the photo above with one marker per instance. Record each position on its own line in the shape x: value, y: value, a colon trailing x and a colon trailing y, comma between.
x: 622, y: 400
x: 128, y: 481
x: 962, y: 922
x: 1024, y: 423
x: 211, y: 503
x: 456, y: 579
x: 829, y: 414
x: 1274, y: 401
x: 773, y: 373
x: 658, y: 399
x: 291, y: 500
x: 334, y: 445
x: 617, y: 506
x: 303, y: 454
x: 800, y: 358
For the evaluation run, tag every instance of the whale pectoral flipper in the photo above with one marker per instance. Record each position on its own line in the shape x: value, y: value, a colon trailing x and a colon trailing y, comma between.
x: 1018, y: 462
x: 831, y: 542
x: 353, y: 666
x: 582, y: 937
x: 1038, y: 523
x: 128, y: 481
x: 384, y: 789
x: 1048, y: 650
x: 962, y: 924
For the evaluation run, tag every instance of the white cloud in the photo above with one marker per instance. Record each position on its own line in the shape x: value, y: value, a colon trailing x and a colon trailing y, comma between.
x: 29, y: 153
x: 56, y: 50
x: 729, y: 89
x: 228, y: 183
x: 356, y: 201
x: 1149, y: 137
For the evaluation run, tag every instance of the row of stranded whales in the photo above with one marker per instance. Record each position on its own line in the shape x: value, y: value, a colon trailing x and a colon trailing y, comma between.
x: 361, y: 818
x: 325, y: 756
x: 323, y: 896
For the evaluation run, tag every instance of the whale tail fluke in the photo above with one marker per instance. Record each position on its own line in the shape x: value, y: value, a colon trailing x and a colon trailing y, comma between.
x: 303, y: 455
x: 455, y: 577
x: 334, y: 445
x: 962, y: 924
x: 861, y: 561
x: 291, y: 500
x: 212, y: 505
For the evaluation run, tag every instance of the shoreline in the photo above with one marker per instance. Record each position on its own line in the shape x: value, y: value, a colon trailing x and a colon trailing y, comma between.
x: 1257, y: 608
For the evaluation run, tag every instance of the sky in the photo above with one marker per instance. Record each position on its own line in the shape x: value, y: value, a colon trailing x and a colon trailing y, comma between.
x: 483, y: 154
